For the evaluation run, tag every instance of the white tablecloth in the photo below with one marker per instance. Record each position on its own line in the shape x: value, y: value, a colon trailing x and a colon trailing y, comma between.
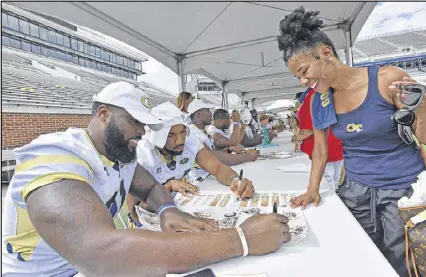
x: 335, y: 246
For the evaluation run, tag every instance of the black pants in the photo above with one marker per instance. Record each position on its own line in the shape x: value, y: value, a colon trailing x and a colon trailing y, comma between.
x: 377, y: 212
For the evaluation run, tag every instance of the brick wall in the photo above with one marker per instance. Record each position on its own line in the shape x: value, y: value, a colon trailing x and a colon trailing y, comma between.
x: 20, y: 128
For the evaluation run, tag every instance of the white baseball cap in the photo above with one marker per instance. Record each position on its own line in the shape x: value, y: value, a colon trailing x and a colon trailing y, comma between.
x: 136, y: 102
x: 169, y: 115
x: 245, y: 116
x: 197, y: 105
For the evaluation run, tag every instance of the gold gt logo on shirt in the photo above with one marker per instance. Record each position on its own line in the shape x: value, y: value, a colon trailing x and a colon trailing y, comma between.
x: 354, y: 128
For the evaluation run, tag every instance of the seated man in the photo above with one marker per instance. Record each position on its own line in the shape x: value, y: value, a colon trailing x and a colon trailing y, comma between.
x: 254, y: 123
x: 201, y: 117
x: 252, y: 136
x: 59, y: 207
x: 170, y: 153
x: 225, y: 135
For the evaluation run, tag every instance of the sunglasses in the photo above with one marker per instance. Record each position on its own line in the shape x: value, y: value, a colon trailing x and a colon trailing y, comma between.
x: 406, y: 134
x: 411, y: 96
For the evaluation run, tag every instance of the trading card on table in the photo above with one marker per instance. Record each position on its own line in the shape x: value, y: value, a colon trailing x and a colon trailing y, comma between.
x: 244, y: 203
x: 208, y: 199
x: 265, y: 200
x: 225, y: 200
x: 284, y: 201
x: 197, y: 199
x: 216, y: 200
x: 187, y: 200
x: 254, y: 201
x: 276, y: 199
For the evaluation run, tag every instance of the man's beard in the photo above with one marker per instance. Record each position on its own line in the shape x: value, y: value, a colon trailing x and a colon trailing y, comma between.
x: 115, y: 144
x: 208, y: 122
x: 225, y: 126
x: 173, y: 152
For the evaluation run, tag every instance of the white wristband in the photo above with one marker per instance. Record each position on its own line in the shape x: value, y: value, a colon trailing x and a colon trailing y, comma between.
x: 243, y: 240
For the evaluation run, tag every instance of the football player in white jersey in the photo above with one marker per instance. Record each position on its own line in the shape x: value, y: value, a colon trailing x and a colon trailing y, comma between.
x: 224, y: 134
x: 171, y: 152
x: 59, y: 207
x: 201, y: 117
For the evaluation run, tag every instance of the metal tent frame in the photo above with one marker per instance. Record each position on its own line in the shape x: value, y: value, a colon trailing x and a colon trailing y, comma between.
x: 232, y: 43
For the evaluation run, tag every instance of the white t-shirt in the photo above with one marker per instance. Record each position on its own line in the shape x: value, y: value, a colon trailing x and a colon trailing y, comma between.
x: 256, y: 126
x: 48, y: 159
x: 212, y: 130
x: 249, y: 132
x: 203, y: 136
x: 197, y: 173
x: 153, y: 161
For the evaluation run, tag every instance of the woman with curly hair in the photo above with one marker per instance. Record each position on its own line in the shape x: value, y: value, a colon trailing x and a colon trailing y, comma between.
x: 357, y: 104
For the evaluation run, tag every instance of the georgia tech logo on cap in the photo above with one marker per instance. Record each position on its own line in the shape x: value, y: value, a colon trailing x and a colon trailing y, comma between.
x: 146, y: 101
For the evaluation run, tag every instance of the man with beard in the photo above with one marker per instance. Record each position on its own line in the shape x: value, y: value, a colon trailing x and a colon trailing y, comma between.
x: 201, y: 117
x: 68, y: 186
x: 171, y: 152
x: 225, y: 135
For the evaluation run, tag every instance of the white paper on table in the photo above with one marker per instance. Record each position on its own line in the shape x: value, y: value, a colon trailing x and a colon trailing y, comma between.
x: 297, y: 167
x: 276, y: 155
x: 229, y: 212
x: 149, y: 221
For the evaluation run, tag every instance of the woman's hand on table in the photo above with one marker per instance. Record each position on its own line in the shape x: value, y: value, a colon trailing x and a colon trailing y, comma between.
x: 311, y: 196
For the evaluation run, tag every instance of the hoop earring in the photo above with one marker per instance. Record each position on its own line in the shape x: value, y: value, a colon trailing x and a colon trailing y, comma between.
x: 322, y: 70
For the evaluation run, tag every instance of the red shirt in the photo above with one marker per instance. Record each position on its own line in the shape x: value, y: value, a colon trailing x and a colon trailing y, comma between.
x: 335, y: 148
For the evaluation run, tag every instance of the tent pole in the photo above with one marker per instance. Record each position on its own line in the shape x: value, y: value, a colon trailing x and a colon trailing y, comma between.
x: 225, y: 96
x: 348, y: 51
x: 181, y: 76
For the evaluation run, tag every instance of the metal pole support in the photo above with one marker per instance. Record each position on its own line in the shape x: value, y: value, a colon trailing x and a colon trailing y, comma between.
x: 348, y: 51
x: 225, y: 96
x: 181, y: 77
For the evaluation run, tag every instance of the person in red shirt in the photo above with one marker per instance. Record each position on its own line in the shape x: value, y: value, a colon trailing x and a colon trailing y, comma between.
x: 306, y: 136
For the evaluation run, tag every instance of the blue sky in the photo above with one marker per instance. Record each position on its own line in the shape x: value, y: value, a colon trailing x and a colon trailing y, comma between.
x: 386, y: 17
x: 394, y: 16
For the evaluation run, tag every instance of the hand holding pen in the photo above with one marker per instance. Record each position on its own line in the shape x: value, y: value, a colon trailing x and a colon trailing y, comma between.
x: 242, y: 187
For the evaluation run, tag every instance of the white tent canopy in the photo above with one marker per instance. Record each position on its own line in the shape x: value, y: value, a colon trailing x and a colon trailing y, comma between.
x: 232, y: 43
x: 280, y: 106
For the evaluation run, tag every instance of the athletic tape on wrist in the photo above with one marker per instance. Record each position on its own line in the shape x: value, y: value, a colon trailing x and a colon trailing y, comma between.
x: 165, y: 207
